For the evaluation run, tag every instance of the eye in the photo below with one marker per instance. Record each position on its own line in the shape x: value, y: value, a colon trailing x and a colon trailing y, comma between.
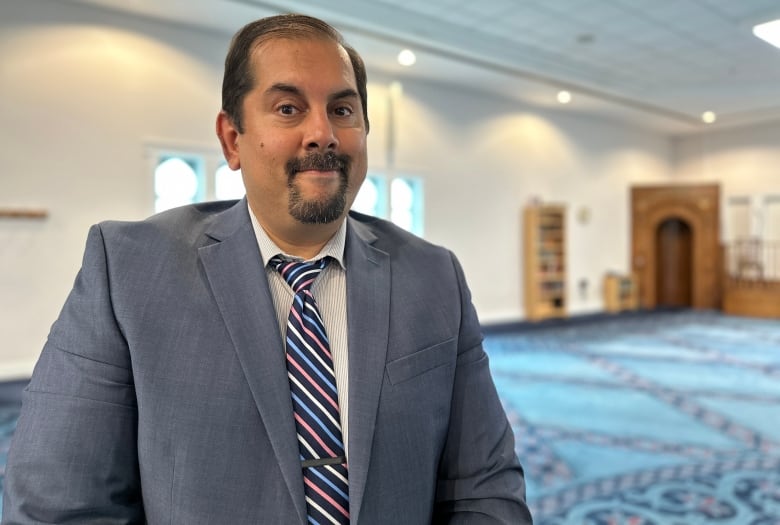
x: 287, y: 109
x: 343, y: 111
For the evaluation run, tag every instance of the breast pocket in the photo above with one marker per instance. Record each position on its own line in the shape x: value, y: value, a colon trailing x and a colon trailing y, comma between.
x: 422, y: 361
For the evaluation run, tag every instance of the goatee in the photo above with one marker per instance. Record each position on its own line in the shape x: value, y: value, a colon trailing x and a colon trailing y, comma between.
x: 327, y: 209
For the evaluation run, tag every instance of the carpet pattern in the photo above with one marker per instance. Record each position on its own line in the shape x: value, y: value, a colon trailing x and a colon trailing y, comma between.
x: 653, y: 419
x: 661, y: 419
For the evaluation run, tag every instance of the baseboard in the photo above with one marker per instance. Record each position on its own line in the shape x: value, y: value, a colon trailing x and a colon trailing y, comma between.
x: 16, y: 370
x: 523, y: 325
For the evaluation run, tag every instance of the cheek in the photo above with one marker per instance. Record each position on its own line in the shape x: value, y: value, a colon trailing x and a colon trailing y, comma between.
x: 269, y: 144
x: 264, y: 157
x: 260, y: 164
x: 358, y: 175
x: 355, y: 147
x: 361, y: 165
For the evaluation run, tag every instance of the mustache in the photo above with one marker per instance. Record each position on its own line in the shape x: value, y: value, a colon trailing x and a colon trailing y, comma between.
x: 328, y: 161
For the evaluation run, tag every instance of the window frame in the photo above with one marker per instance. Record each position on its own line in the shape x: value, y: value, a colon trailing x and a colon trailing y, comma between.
x: 208, y: 158
x: 384, y: 205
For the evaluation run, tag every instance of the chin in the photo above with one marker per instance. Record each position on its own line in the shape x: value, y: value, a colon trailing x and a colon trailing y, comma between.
x: 318, y: 211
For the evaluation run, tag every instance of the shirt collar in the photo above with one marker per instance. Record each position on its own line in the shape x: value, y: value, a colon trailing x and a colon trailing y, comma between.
x: 333, y: 248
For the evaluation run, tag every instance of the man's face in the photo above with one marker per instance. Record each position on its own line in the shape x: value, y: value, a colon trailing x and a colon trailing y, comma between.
x: 303, y: 150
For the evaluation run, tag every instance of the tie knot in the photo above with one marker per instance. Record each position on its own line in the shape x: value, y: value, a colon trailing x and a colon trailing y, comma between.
x: 299, y: 274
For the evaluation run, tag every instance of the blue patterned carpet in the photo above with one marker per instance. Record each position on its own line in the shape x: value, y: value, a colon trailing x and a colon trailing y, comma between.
x: 658, y: 419
x: 662, y: 419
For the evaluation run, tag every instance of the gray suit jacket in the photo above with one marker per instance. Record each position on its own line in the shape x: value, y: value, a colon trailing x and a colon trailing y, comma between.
x: 161, y: 395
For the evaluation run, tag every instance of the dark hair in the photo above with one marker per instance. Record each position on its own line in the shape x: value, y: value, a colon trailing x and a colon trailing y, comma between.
x: 238, y: 79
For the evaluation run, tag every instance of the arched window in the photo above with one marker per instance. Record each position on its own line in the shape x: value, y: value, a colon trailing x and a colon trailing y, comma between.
x: 197, y: 175
x: 228, y: 184
x: 177, y: 182
x: 402, y: 204
x: 371, y: 197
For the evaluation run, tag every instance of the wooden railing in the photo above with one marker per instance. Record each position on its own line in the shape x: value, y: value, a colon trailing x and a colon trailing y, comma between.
x: 751, y: 278
x: 752, y: 261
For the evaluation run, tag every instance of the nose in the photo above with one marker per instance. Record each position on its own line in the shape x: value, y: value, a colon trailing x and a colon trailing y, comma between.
x: 319, y: 133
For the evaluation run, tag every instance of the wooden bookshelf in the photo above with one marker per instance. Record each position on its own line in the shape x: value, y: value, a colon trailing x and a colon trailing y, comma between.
x: 621, y: 292
x: 544, y: 254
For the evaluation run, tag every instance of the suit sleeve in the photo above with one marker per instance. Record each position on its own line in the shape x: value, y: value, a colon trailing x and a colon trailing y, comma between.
x: 73, y: 458
x: 480, y: 478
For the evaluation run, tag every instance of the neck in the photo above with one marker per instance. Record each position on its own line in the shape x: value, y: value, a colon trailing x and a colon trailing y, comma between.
x: 303, y: 244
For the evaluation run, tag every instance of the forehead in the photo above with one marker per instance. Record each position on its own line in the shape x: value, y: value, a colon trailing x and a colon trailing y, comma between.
x: 301, y: 61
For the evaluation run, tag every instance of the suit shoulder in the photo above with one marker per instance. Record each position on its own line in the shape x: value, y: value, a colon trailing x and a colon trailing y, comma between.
x: 393, y: 239
x: 184, y: 223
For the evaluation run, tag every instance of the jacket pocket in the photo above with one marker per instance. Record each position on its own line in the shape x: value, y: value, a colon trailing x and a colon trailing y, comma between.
x: 422, y: 361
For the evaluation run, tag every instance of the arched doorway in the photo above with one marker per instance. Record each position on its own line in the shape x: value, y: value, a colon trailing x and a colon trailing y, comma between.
x: 674, y: 264
x: 698, y: 284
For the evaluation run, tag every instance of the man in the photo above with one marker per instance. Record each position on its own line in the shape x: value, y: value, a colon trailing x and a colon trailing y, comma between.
x: 174, y: 387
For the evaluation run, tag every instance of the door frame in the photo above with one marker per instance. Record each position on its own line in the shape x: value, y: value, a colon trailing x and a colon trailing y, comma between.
x: 697, y: 205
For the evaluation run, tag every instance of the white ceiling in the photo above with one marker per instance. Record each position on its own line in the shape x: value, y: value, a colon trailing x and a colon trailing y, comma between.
x: 658, y: 62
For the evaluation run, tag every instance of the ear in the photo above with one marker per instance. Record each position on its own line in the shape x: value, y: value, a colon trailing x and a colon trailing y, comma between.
x: 228, y: 137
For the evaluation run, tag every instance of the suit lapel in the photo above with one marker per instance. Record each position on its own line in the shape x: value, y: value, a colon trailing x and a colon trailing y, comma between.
x: 368, y: 312
x: 235, y: 272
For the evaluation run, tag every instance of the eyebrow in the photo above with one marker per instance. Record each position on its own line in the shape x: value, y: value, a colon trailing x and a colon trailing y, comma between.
x: 344, y: 93
x: 294, y: 90
x: 284, y: 88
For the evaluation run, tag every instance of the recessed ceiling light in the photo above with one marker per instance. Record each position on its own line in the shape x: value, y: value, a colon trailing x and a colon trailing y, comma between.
x: 769, y: 32
x: 708, y: 117
x: 564, y: 97
x: 407, y: 57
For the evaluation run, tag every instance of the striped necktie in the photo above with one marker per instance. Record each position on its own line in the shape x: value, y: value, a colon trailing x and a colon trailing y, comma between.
x: 315, y: 399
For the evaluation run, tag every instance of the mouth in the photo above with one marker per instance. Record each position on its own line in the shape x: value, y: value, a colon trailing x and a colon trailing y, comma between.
x: 318, y: 172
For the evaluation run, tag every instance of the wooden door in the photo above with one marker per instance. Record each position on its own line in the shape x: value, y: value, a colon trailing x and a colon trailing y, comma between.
x: 674, y: 264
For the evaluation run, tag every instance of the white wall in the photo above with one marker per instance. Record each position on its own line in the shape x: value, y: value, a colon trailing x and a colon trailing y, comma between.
x: 84, y: 92
x: 746, y: 163
x: 483, y: 158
